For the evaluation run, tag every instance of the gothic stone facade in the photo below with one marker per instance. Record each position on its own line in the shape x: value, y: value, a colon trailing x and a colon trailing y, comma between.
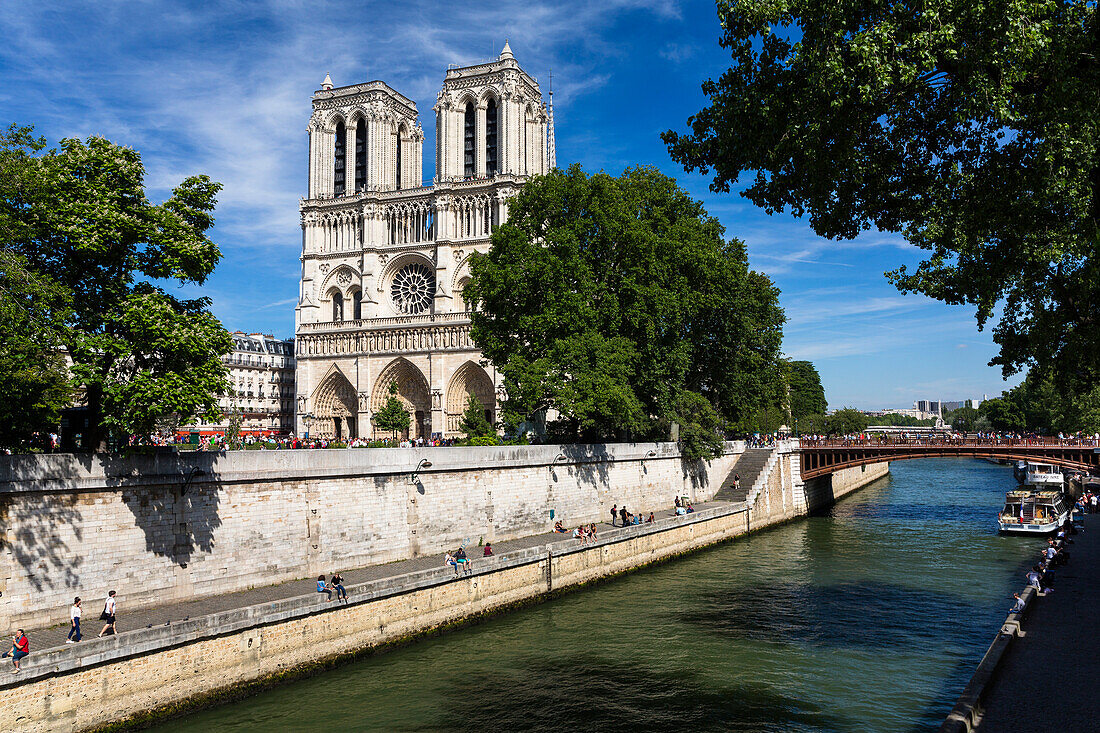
x: 384, y: 257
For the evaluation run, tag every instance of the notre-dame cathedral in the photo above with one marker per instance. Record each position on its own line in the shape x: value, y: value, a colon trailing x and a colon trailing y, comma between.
x: 385, y: 257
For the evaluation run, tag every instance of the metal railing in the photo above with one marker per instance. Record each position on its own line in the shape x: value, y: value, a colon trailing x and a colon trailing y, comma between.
x: 872, y: 441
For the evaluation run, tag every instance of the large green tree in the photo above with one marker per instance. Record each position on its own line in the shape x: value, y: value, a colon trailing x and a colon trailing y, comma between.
x: 606, y: 299
x: 807, y: 395
x: 973, y: 128
x: 33, y: 377
x: 79, y: 213
x: 848, y: 421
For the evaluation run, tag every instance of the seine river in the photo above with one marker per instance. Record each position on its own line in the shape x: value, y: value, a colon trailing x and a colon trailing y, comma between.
x: 871, y: 618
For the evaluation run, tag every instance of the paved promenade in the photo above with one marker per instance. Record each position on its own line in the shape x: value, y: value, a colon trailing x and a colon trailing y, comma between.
x: 45, y: 638
x: 1047, y: 678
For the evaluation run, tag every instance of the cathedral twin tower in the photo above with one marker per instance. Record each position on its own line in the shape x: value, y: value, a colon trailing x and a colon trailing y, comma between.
x: 385, y: 258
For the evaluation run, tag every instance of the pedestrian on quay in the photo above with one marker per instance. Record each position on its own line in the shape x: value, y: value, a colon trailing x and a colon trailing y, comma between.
x: 20, y: 647
x: 74, y: 622
x: 108, y: 614
x: 614, y: 510
x: 623, y: 514
x: 337, y: 584
x: 323, y: 587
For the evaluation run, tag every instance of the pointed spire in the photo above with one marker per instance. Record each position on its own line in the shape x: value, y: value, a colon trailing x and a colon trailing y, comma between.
x: 551, y: 146
x: 506, y: 52
x: 327, y: 83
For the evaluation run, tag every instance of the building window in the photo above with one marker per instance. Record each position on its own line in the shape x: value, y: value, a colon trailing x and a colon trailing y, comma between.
x: 397, y: 161
x: 340, y: 152
x: 357, y: 305
x: 413, y: 289
x: 491, y: 139
x: 470, y: 140
x: 360, y: 154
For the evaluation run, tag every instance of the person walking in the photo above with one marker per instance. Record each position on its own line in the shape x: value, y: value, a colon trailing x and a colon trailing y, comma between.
x: 614, y: 513
x: 74, y: 622
x: 20, y: 647
x: 108, y: 614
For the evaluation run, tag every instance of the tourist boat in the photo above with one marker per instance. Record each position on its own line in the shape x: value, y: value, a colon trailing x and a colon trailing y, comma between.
x: 1034, y: 512
x: 1043, y: 476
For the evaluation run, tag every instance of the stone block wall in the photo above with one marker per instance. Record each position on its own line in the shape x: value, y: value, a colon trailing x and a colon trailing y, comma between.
x: 168, y: 527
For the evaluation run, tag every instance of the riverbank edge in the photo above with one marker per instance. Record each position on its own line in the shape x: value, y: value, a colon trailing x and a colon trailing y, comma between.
x: 243, y: 690
x: 967, y: 713
x: 571, y: 576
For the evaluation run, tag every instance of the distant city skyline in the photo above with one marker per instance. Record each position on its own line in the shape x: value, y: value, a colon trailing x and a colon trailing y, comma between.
x: 226, y: 91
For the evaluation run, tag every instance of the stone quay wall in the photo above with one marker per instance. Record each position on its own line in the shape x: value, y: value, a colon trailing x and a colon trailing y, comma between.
x: 166, y: 527
x: 75, y: 688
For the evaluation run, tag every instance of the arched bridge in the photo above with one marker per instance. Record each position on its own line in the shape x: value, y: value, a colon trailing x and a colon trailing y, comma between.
x: 820, y: 457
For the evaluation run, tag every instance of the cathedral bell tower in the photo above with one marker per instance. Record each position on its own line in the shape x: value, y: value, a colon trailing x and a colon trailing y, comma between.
x: 490, y: 121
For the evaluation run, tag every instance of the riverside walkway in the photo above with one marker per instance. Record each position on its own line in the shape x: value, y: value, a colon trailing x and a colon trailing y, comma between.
x: 42, y: 639
x: 1044, y: 683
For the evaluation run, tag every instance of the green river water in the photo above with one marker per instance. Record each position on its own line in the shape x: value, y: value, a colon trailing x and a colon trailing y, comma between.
x: 870, y: 618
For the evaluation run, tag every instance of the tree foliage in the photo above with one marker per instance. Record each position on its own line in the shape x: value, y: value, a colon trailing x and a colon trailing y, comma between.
x: 847, y: 422
x: 807, y: 395
x: 607, y: 299
x: 79, y: 213
x: 33, y: 377
x: 393, y: 417
x: 973, y: 128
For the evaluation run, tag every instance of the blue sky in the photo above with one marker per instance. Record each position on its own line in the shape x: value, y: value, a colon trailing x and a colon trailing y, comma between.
x: 224, y: 89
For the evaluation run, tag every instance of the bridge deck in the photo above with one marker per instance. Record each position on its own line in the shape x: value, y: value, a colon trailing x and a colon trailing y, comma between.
x: 824, y: 456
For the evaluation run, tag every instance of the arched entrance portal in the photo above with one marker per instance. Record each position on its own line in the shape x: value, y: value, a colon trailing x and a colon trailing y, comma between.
x: 469, y: 379
x: 335, y: 408
x: 412, y: 391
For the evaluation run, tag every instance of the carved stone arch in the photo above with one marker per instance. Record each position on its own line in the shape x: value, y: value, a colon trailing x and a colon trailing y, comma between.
x: 469, y: 379
x: 466, y: 97
x: 335, y: 407
x: 332, y: 118
x: 342, y: 278
x: 489, y: 92
x: 412, y: 391
x: 396, y: 263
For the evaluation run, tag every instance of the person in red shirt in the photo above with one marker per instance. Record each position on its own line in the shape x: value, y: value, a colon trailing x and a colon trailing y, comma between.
x: 20, y: 648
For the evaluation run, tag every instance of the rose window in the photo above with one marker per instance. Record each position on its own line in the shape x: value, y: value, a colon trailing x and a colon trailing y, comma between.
x: 412, y: 289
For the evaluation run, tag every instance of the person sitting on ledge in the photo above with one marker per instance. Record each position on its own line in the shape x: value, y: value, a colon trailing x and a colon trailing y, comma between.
x: 449, y: 561
x: 20, y: 648
x: 1019, y: 604
x: 488, y: 549
x: 680, y: 511
x: 592, y: 533
x: 337, y: 584
x: 650, y: 518
x: 462, y: 560
x: 323, y: 587
x: 558, y: 527
x: 690, y: 508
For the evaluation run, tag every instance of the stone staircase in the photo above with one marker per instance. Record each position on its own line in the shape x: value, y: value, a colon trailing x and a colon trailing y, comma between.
x: 748, y: 467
